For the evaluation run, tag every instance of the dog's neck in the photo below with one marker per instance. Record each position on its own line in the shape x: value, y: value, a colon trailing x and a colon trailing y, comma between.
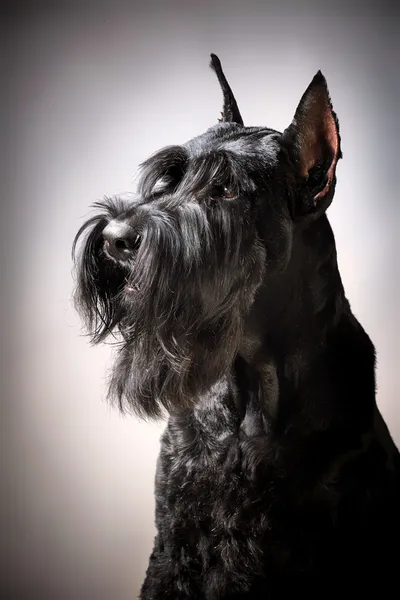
x: 313, y: 361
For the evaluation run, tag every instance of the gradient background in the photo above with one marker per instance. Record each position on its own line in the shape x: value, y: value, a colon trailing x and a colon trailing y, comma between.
x: 89, y: 90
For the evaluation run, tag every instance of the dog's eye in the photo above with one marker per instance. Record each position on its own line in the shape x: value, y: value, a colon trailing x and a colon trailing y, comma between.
x: 227, y: 193
x: 222, y: 191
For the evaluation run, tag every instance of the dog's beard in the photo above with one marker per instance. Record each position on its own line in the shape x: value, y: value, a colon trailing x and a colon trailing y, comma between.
x: 178, y: 305
x: 99, y: 281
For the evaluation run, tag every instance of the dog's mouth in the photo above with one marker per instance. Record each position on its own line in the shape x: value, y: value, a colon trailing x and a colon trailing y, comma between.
x: 123, y: 264
x: 131, y: 289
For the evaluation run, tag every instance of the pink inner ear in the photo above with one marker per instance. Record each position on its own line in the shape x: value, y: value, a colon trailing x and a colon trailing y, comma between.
x: 332, y: 138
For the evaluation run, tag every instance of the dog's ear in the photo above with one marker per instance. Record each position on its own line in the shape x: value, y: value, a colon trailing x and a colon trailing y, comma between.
x: 230, y: 112
x: 313, y: 142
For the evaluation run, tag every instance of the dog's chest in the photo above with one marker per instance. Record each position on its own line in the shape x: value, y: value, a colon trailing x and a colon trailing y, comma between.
x: 226, y: 508
x: 222, y: 496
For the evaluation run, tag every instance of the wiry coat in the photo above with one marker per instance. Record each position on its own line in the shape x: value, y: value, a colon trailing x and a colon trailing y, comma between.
x: 277, y: 474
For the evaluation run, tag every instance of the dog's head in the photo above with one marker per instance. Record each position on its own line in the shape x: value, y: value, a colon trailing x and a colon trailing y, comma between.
x: 176, y: 271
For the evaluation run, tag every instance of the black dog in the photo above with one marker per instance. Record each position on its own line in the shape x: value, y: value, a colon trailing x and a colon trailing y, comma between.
x: 277, y: 475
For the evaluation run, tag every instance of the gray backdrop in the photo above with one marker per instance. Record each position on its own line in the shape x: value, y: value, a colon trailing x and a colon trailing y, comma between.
x: 89, y: 90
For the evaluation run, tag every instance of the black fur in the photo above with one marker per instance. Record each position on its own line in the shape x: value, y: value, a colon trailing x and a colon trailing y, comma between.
x: 277, y: 474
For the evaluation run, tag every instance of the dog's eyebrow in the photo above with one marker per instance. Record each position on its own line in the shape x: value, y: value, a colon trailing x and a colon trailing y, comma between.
x: 168, y: 162
x: 215, y: 168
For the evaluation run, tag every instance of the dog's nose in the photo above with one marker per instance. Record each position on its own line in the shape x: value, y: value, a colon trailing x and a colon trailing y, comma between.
x: 120, y: 240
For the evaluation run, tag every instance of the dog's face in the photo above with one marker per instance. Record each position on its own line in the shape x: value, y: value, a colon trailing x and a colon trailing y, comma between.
x: 176, y: 271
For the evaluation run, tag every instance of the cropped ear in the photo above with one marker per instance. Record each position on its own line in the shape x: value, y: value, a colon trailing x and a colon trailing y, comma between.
x: 313, y: 142
x: 230, y: 112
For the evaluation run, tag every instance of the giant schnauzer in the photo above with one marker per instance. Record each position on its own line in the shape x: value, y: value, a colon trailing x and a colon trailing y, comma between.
x: 277, y: 474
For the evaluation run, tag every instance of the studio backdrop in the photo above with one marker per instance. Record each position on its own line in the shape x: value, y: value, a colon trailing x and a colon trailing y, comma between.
x: 89, y: 91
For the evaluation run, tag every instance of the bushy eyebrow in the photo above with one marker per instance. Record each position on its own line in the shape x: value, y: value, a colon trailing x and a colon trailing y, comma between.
x: 193, y: 175
x: 168, y: 163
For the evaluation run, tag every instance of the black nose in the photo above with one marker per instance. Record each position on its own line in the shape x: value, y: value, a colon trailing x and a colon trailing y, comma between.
x: 121, y: 240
